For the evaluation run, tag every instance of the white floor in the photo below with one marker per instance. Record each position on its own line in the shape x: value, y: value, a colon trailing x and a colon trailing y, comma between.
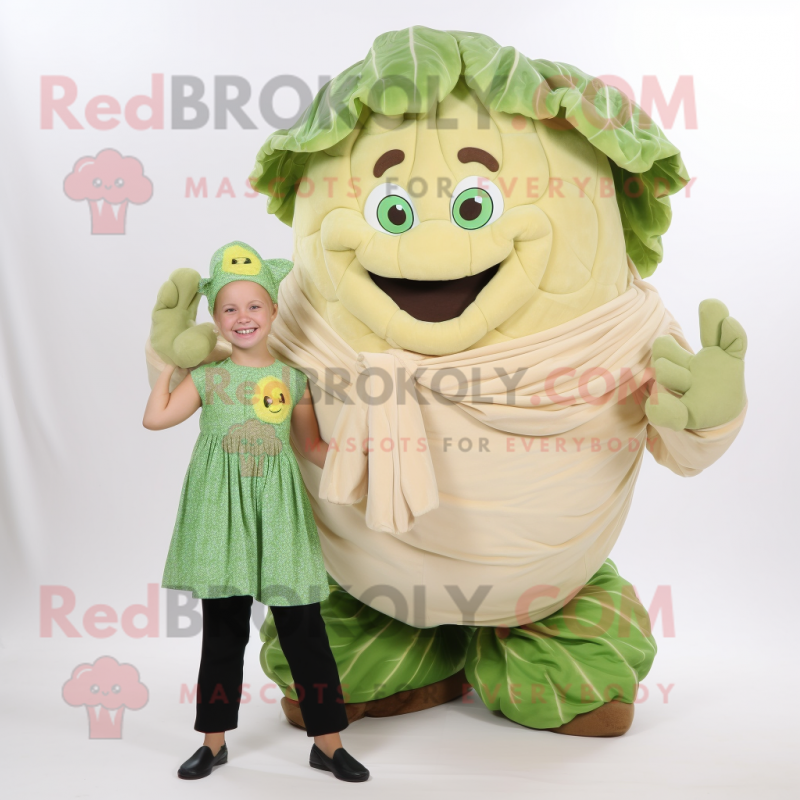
x: 723, y: 734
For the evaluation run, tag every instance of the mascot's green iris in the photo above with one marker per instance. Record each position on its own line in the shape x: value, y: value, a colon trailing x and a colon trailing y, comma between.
x: 395, y: 214
x: 472, y: 209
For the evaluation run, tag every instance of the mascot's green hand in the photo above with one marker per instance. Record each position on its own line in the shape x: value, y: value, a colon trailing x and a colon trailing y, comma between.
x: 174, y: 334
x: 709, y: 385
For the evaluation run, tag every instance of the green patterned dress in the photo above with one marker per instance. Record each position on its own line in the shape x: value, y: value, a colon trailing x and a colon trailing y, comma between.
x: 244, y: 523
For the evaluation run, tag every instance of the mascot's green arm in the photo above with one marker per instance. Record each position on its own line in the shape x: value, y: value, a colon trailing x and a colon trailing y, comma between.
x: 174, y: 334
x: 706, y: 389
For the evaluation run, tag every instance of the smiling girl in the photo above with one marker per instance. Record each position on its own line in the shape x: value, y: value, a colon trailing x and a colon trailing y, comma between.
x: 244, y: 526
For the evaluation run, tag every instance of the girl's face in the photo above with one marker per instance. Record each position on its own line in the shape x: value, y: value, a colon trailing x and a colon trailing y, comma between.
x: 244, y: 313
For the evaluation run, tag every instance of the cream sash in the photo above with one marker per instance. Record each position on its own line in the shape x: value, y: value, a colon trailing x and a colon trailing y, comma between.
x: 544, y: 384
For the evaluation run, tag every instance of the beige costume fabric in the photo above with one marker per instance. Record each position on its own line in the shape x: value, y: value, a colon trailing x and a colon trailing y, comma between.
x: 476, y: 504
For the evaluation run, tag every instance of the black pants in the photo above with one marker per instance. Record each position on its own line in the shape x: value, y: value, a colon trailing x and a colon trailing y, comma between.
x: 301, y: 631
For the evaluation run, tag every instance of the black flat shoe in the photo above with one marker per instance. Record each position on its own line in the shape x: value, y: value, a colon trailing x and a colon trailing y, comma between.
x: 342, y: 765
x: 202, y: 762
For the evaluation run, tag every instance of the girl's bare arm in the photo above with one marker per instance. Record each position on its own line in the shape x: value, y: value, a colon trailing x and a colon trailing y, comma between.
x: 164, y: 410
x: 305, y: 431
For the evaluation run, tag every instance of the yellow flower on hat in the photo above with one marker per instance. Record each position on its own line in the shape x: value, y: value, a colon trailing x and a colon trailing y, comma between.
x: 240, y: 260
x: 237, y: 261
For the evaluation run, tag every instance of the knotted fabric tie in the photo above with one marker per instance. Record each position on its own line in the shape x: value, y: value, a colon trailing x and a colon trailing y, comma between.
x: 380, y: 439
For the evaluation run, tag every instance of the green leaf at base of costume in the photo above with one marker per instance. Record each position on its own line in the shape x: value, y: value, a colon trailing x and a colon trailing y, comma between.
x: 595, y: 649
x: 376, y: 655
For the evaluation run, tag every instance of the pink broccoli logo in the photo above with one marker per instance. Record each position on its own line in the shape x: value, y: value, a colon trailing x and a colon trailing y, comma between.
x: 106, y: 688
x: 109, y: 181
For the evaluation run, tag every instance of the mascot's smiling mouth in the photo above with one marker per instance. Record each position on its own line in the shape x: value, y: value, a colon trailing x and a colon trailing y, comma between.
x: 434, y: 301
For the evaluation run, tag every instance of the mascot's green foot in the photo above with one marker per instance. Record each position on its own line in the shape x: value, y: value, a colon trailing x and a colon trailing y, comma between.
x: 574, y: 672
x: 385, y: 666
x: 406, y: 702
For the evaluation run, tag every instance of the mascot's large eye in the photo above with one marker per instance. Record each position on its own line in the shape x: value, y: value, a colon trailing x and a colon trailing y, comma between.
x: 476, y: 202
x: 389, y: 209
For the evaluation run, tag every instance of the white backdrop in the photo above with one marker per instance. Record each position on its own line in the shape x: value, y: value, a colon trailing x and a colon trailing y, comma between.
x: 89, y: 496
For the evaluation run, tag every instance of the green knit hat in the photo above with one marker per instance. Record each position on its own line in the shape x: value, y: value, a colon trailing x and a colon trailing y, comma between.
x: 237, y: 261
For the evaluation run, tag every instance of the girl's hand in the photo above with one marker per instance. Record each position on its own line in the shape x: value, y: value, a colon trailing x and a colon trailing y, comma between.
x: 164, y: 410
x: 305, y: 430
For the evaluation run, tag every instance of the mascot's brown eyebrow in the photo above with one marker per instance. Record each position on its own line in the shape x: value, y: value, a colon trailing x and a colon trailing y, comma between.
x: 468, y: 154
x: 389, y: 159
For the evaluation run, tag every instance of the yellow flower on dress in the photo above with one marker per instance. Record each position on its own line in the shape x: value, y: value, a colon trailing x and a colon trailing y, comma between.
x: 271, y: 400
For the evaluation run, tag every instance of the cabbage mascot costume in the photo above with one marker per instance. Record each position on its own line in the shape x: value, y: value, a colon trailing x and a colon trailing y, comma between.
x: 471, y: 233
